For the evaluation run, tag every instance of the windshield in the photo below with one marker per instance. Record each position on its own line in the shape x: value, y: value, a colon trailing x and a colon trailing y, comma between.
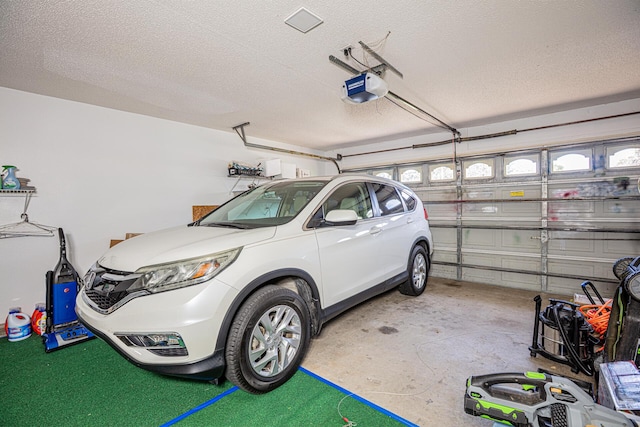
x: 265, y: 206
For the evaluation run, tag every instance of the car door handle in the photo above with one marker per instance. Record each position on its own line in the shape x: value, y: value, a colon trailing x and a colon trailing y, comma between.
x: 375, y: 230
x: 409, y: 220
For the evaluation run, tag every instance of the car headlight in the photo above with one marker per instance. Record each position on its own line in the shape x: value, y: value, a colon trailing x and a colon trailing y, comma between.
x: 174, y: 275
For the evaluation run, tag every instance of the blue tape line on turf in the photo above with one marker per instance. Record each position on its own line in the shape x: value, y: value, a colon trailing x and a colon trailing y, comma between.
x: 360, y: 399
x: 199, y: 407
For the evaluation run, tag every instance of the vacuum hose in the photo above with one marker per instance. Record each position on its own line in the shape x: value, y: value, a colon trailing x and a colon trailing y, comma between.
x: 573, y: 354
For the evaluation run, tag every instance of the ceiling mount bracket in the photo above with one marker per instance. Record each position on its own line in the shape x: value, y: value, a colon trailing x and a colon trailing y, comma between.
x: 240, y: 131
x: 380, y: 59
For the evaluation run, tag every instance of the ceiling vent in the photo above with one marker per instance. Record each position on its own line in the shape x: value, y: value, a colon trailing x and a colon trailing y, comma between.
x: 303, y: 20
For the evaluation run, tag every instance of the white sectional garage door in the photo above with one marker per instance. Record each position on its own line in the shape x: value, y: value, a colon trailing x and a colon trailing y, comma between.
x: 542, y: 220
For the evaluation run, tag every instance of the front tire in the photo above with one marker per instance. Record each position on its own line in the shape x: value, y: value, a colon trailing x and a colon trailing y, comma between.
x: 418, y: 270
x: 268, y: 340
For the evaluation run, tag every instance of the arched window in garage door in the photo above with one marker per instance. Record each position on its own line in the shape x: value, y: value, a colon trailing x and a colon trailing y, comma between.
x: 522, y: 165
x: 441, y: 172
x: 411, y: 175
x: 570, y: 161
x: 623, y: 157
x: 383, y: 173
x: 478, y: 169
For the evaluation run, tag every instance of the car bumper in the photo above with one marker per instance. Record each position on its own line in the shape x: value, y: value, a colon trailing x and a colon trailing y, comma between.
x: 194, y: 313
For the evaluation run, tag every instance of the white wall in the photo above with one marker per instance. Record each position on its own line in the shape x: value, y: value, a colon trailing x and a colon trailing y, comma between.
x: 101, y: 173
x: 592, y: 131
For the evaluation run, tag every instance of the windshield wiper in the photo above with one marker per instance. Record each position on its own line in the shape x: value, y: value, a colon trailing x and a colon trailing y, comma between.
x: 226, y: 224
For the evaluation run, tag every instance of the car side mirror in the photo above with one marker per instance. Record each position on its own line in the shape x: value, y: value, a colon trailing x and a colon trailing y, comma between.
x: 341, y: 217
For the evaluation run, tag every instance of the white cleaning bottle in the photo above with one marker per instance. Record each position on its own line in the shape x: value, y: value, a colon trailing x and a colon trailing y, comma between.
x: 17, y: 326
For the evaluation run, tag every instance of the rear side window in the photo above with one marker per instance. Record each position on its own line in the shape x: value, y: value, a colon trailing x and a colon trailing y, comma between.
x: 408, y: 200
x: 388, y: 199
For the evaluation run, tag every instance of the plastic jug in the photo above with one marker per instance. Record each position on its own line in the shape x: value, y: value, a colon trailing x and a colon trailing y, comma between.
x: 39, y: 319
x: 18, y: 325
x: 10, y: 182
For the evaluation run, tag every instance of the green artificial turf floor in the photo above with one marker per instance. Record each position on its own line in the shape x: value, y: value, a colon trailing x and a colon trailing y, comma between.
x: 89, y: 384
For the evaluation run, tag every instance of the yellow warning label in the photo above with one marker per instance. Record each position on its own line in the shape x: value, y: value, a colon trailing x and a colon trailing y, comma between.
x: 517, y: 193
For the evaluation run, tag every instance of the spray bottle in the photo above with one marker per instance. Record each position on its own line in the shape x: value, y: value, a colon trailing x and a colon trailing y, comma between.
x: 10, y: 182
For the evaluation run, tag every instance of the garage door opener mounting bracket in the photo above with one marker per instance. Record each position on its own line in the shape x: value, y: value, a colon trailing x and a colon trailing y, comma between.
x: 240, y: 131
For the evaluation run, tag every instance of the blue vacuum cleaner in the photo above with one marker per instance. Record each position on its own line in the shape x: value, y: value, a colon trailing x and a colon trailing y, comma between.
x: 63, y: 284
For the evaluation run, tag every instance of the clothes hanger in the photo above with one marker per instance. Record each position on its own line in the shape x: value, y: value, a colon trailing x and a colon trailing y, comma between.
x: 25, y: 227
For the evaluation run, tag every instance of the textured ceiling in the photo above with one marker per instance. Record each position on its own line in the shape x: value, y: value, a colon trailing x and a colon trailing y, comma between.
x: 221, y: 63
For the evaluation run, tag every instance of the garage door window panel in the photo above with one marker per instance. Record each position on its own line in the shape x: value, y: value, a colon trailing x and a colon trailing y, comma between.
x: 411, y: 175
x: 571, y: 161
x: 441, y: 172
x: 383, y: 173
x: 478, y: 169
x: 623, y: 157
x: 521, y: 166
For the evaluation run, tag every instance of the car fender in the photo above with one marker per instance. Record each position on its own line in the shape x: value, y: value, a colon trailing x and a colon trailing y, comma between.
x: 270, y: 277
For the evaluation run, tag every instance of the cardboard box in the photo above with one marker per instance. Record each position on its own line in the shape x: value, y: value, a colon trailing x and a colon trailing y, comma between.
x: 619, y: 387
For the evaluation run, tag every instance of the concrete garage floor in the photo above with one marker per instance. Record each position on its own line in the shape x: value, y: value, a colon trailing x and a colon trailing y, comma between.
x: 412, y: 356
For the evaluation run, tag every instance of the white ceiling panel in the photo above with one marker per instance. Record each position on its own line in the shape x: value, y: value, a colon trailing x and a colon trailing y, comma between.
x: 219, y: 63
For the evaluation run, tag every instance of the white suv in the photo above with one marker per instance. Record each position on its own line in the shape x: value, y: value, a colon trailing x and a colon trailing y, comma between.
x: 239, y: 293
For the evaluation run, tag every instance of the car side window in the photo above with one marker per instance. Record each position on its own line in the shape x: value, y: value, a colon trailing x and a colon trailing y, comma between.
x: 388, y: 199
x: 351, y: 196
x: 408, y: 200
x: 295, y: 203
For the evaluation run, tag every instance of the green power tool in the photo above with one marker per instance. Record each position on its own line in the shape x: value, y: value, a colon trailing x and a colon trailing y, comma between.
x: 533, y: 399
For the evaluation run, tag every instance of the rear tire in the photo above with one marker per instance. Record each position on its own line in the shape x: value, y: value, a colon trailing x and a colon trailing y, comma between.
x: 418, y: 270
x: 268, y: 340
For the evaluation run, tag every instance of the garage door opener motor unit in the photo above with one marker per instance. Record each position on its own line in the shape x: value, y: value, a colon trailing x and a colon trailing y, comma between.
x: 364, y: 87
x: 63, y: 284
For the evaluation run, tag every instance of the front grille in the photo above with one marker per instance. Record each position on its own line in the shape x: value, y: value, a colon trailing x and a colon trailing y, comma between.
x: 107, y: 290
x: 105, y: 302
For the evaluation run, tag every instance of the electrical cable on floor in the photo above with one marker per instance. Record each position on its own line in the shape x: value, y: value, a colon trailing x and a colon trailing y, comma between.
x: 345, y: 419
x: 351, y: 423
x: 348, y: 422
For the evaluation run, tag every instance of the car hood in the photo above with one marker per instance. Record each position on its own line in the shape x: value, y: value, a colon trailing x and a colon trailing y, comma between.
x: 177, y: 243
